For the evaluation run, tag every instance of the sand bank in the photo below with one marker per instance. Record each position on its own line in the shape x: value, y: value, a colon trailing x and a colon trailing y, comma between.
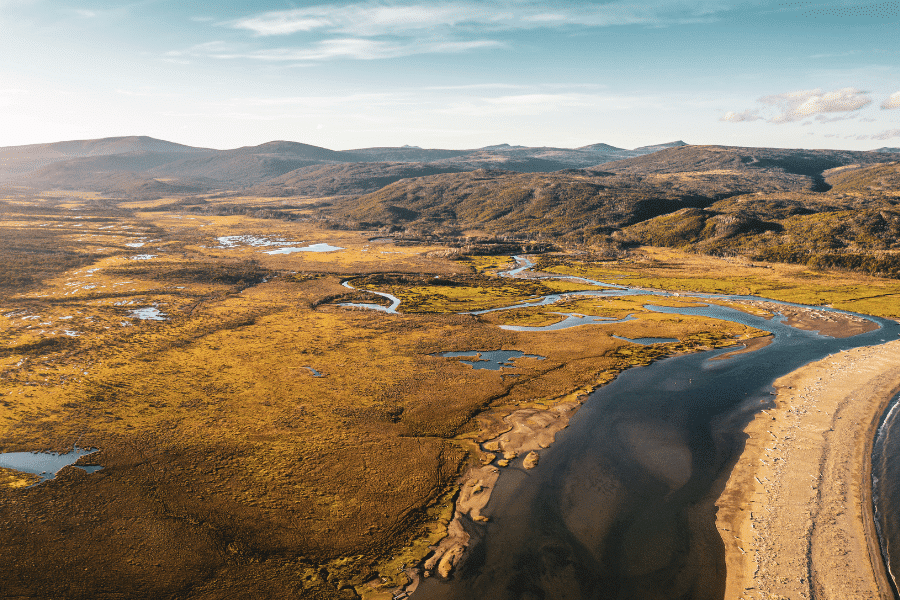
x: 524, y: 430
x: 810, y: 318
x: 796, y: 514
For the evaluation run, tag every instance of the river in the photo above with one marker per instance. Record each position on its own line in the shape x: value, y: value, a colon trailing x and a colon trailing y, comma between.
x: 622, y: 504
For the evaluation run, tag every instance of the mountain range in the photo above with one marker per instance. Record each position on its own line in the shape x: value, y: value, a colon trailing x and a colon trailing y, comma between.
x: 819, y: 207
x: 138, y: 164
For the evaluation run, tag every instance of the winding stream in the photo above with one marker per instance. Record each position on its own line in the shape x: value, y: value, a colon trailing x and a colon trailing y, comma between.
x: 622, y: 505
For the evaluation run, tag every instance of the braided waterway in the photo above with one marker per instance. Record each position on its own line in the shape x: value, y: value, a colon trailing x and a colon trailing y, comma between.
x: 622, y: 503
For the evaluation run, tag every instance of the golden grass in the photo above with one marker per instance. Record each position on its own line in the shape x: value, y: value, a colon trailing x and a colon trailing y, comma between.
x: 214, y: 431
x: 670, y: 269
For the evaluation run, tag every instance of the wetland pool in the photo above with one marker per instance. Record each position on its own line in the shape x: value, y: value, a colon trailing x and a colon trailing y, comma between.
x: 46, y: 464
x: 310, y: 248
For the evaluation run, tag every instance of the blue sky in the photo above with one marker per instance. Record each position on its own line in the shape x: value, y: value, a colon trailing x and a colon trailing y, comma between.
x: 453, y: 74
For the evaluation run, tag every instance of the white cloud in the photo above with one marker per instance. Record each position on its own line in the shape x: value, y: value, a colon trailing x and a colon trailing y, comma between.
x: 385, y: 18
x: 893, y: 101
x: 824, y: 119
x: 361, y: 19
x: 796, y: 106
x: 746, y: 115
x: 354, y: 48
x: 374, y: 29
x: 884, y: 135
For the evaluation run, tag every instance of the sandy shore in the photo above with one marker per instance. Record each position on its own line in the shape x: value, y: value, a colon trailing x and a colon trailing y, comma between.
x: 796, y: 514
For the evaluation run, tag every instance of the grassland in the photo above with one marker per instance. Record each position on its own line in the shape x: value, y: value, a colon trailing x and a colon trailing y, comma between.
x: 230, y: 469
x: 670, y: 269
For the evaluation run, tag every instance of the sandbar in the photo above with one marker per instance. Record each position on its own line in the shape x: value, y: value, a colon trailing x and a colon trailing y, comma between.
x: 795, y: 515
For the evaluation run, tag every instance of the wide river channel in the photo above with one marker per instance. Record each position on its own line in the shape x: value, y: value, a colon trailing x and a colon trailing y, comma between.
x: 622, y: 504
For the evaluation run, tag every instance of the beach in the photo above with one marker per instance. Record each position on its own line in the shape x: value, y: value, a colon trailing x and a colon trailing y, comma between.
x: 795, y: 515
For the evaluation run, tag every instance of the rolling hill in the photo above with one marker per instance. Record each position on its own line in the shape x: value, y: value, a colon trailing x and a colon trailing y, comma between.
x: 82, y: 164
x: 345, y: 179
x: 815, y: 207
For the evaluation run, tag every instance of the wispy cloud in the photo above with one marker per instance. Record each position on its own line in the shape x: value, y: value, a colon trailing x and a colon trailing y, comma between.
x: 844, y: 117
x: 353, y: 48
x: 743, y: 116
x: 884, y: 135
x: 380, y: 29
x: 893, y: 101
x: 395, y: 18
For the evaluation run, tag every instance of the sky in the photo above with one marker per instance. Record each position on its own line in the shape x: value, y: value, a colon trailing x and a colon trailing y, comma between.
x: 463, y: 74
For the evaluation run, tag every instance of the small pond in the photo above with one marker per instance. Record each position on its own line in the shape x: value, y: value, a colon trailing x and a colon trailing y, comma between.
x: 256, y: 241
x: 149, y: 313
x: 46, y: 464
x: 310, y: 248
x: 493, y: 360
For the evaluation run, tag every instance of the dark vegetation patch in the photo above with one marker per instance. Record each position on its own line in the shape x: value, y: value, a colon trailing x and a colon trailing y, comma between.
x: 32, y: 254
x: 40, y: 347
x: 238, y: 274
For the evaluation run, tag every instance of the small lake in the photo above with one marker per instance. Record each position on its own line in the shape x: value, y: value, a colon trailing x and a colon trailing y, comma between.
x: 46, y: 464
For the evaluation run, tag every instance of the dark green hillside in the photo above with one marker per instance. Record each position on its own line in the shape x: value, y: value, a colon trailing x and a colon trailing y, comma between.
x: 572, y: 205
x: 855, y: 226
x: 344, y: 179
x: 685, y: 159
x: 882, y: 180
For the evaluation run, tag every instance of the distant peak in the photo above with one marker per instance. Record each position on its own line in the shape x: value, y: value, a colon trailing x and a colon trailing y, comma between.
x: 503, y: 147
x: 677, y: 144
x: 600, y: 147
x: 413, y: 147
